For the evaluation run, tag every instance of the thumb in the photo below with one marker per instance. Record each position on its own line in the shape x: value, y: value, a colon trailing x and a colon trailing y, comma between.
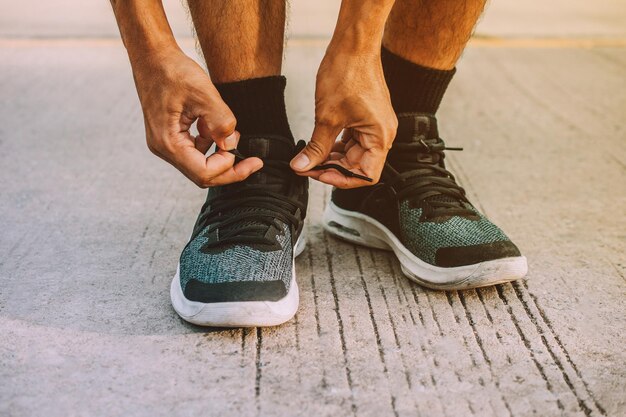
x: 317, y: 150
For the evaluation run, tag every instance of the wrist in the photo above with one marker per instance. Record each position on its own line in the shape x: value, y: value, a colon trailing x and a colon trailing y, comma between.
x: 155, y: 57
x: 151, y: 50
x: 360, y: 26
x: 144, y: 28
x: 355, y: 42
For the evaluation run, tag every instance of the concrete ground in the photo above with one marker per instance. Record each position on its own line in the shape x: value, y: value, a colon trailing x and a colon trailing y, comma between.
x: 93, y: 224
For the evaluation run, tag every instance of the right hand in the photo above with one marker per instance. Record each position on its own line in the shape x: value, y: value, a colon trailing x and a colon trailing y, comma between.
x: 350, y: 95
x: 175, y: 92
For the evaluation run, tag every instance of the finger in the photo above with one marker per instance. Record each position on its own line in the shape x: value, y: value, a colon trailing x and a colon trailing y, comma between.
x: 334, y: 178
x: 238, y: 172
x: 216, y: 121
x: 371, y: 162
x: 221, y: 166
x: 202, y: 170
x: 360, y: 161
x: 311, y: 174
x: 347, y: 135
x: 196, y: 166
x: 354, y: 152
x: 337, y: 179
x: 350, y: 144
x: 332, y: 158
x: 336, y: 156
x: 202, y: 143
x: 317, y: 149
x: 339, y: 146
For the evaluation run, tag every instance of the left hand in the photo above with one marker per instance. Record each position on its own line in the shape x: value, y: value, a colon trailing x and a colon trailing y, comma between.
x: 350, y: 95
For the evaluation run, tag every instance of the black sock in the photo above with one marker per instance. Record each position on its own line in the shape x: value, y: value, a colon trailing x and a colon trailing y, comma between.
x: 413, y: 88
x: 258, y: 105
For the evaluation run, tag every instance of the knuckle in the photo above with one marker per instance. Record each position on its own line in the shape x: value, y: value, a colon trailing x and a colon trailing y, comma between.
x: 204, y: 182
x: 393, y: 121
x: 391, y: 126
x: 224, y: 127
x: 316, y: 148
x: 325, y: 118
x: 207, y: 180
x: 154, y: 146
x: 389, y: 135
x: 163, y: 144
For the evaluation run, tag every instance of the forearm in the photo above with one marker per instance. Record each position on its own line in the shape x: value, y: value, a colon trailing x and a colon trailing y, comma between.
x: 360, y: 25
x: 144, y: 28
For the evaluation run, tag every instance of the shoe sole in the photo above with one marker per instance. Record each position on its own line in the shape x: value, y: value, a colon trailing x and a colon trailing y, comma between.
x: 364, y: 230
x: 239, y: 313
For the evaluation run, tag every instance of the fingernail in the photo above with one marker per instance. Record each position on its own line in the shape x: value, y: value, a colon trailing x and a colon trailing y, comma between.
x: 230, y: 142
x: 300, y: 162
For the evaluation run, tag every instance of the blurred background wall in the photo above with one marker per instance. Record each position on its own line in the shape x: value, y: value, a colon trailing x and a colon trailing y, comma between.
x: 315, y: 19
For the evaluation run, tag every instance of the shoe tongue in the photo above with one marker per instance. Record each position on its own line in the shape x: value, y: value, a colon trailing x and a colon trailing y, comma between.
x: 418, y: 128
x: 268, y: 148
x: 275, y: 148
x: 414, y: 127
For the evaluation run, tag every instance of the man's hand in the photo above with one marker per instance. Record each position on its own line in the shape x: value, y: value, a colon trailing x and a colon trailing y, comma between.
x: 175, y: 92
x: 351, y: 95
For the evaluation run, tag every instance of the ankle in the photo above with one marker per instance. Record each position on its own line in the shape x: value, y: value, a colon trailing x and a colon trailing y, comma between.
x: 412, y: 87
x: 258, y: 105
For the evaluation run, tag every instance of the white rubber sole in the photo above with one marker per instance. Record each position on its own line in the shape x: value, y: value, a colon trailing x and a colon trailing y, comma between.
x: 364, y: 230
x: 239, y: 314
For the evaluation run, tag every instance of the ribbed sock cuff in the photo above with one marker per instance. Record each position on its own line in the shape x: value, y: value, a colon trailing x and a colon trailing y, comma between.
x: 414, y: 88
x: 258, y: 105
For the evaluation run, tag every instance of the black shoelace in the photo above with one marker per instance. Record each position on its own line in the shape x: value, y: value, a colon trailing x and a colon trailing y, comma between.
x: 299, y: 146
x: 419, y: 176
x: 244, y: 212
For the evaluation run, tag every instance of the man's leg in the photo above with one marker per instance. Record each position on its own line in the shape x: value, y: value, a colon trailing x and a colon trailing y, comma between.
x: 419, y: 211
x: 423, y: 41
x: 431, y: 33
x: 242, y: 43
x: 237, y: 270
x: 240, y: 39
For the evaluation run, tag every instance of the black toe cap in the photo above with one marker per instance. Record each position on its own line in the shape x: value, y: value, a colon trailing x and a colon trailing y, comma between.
x: 235, y: 291
x: 468, y: 255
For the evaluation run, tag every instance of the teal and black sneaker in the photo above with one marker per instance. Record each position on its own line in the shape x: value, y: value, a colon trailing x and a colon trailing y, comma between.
x: 238, y: 268
x: 421, y: 213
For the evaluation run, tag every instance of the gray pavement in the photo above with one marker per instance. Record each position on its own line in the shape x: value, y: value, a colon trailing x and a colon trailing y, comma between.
x: 93, y: 224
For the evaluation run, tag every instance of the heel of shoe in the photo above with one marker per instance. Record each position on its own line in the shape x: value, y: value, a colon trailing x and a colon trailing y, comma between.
x: 355, y: 229
x: 300, y: 244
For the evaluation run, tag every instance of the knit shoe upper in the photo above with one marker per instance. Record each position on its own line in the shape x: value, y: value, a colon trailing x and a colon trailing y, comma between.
x: 242, y: 244
x: 419, y: 201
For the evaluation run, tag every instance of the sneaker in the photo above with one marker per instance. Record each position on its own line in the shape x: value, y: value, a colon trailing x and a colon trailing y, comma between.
x: 238, y: 268
x: 420, y: 213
